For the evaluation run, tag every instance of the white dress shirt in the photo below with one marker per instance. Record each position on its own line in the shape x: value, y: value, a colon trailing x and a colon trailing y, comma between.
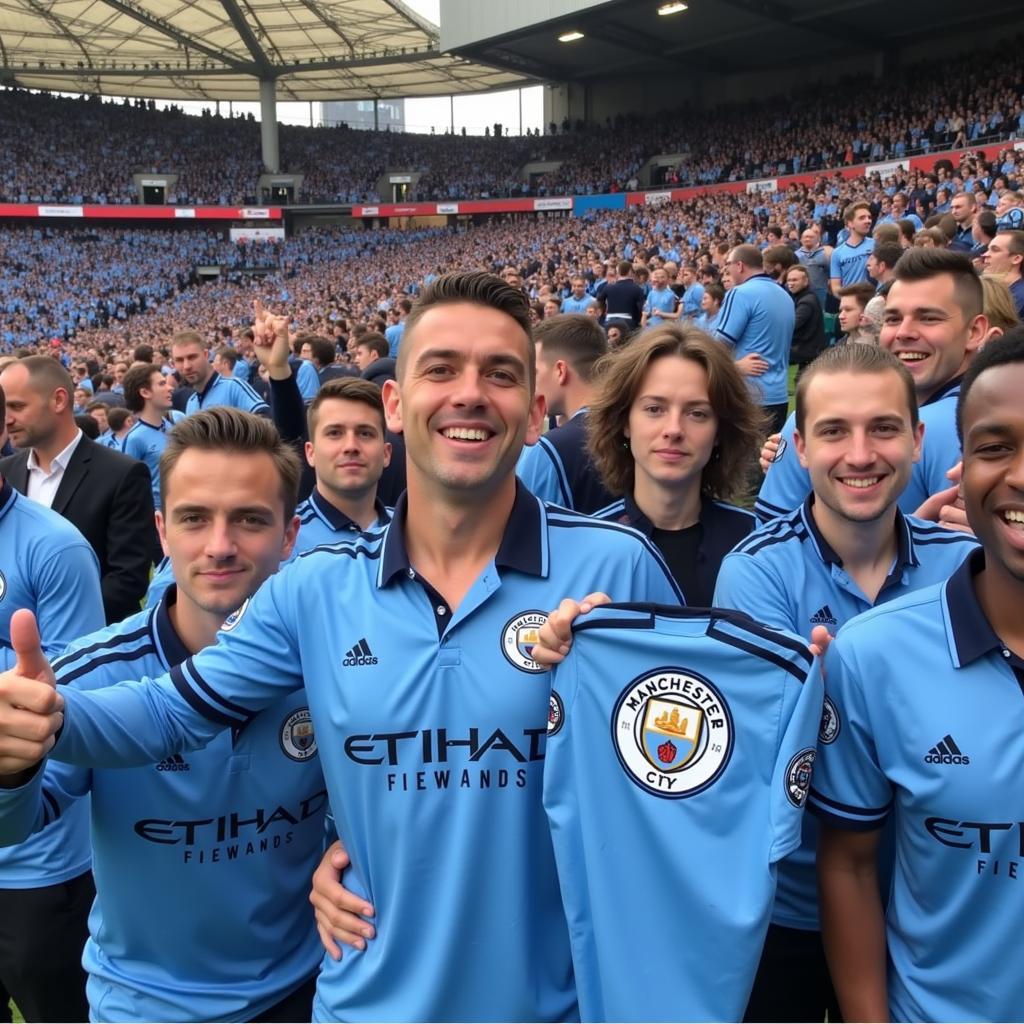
x: 42, y: 486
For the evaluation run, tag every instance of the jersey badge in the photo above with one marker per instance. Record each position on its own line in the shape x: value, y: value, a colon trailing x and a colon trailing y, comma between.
x: 235, y: 617
x: 518, y: 638
x: 673, y: 732
x: 298, y: 741
x: 798, y: 776
x: 556, y: 713
x: 830, y: 725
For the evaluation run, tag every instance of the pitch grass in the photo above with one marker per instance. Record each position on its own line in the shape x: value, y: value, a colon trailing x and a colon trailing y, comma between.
x: 18, y: 1019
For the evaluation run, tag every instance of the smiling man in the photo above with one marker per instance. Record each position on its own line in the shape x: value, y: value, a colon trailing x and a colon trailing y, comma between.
x: 438, y: 725
x: 934, y: 324
x: 348, y: 451
x: 846, y: 549
x: 926, y: 735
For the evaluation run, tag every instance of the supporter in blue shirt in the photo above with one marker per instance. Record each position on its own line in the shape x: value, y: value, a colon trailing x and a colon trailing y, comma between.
x: 578, y: 301
x: 1005, y: 256
x: 348, y: 451
x: 245, y: 943
x: 558, y: 468
x: 45, y: 884
x: 192, y: 362
x: 902, y: 749
x: 850, y: 258
x: 757, y: 320
x: 710, y: 306
x: 662, y: 304
x: 846, y: 549
x: 147, y: 394
x: 693, y: 292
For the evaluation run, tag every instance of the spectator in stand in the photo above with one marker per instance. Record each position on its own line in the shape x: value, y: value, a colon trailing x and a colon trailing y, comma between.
x: 693, y: 291
x: 1010, y: 211
x: 120, y: 421
x: 757, y: 320
x: 661, y: 304
x: 817, y: 258
x: 710, y: 306
x: 850, y: 258
x: 855, y: 326
x: 224, y: 361
x: 192, y: 361
x: 809, y: 326
x: 881, y: 263
x: 1005, y: 257
x: 579, y: 301
x: 777, y: 259
x: 964, y: 208
x: 394, y: 333
x: 372, y: 359
x: 624, y: 300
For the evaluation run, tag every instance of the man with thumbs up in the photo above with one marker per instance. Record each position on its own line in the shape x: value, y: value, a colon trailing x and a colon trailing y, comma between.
x: 45, y: 884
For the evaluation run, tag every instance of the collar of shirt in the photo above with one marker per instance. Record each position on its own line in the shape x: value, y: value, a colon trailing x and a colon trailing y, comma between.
x: 523, y: 545
x: 171, y: 647
x: 905, y: 555
x: 59, y: 461
x: 336, y: 519
x: 214, y: 377
x: 709, y: 523
x: 950, y: 388
x: 972, y: 634
x: 8, y: 496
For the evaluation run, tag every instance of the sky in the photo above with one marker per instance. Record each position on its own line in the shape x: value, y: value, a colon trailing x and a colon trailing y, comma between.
x: 472, y: 112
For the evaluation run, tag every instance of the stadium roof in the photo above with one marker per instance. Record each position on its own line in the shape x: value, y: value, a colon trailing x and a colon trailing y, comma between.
x: 220, y: 49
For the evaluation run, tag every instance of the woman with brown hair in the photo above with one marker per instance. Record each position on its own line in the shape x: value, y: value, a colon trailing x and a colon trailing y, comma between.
x: 673, y: 430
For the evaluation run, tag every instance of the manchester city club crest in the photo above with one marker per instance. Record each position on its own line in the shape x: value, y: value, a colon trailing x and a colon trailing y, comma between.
x: 830, y: 724
x: 673, y: 732
x: 518, y: 638
x: 556, y: 713
x: 798, y: 776
x: 298, y: 741
x: 235, y: 617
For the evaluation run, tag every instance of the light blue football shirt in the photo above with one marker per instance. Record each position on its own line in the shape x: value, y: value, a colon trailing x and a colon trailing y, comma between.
x: 202, y: 861
x: 680, y: 750
x: 925, y: 731
x: 321, y: 523
x: 787, y: 575
x: 227, y: 391
x: 146, y: 443
x: 758, y: 316
x: 47, y: 566
x: 437, y: 719
x: 850, y: 262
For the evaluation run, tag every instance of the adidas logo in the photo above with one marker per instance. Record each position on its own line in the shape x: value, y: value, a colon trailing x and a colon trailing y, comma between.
x: 174, y: 763
x: 946, y: 752
x: 823, y: 617
x: 360, y: 655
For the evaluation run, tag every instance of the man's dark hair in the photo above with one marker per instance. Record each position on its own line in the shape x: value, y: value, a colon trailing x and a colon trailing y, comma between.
x: 986, y: 224
x: 321, y: 348
x: 888, y: 253
x: 779, y: 256
x: 228, y: 354
x: 625, y: 268
x: 862, y: 291
x: 574, y: 337
x: 87, y: 425
x: 851, y: 211
x: 477, y: 287
x: 922, y: 264
x: 46, y: 375
x: 137, y: 378
x: 116, y: 417
x: 998, y: 352
x: 143, y: 354
x: 348, y: 389
x: 749, y: 256
x: 376, y: 343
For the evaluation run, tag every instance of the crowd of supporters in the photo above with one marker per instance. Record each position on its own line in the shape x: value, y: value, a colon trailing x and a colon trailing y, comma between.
x: 86, y: 150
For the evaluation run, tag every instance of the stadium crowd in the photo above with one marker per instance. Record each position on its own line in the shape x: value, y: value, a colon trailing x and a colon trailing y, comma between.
x: 311, y: 474
x: 86, y: 150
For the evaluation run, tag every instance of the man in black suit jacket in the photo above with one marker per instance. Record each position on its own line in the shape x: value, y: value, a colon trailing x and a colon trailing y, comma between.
x: 105, y: 494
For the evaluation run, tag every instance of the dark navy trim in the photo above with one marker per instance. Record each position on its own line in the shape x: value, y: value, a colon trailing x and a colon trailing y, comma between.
x: 201, y: 395
x: 951, y: 389
x: 190, y: 665
x: 521, y: 548
x: 559, y: 467
x: 335, y: 518
x: 973, y: 635
x: 860, y: 812
x: 118, y: 640
x: 8, y: 496
x: 193, y: 700
x: 759, y: 652
x: 846, y: 824
x: 51, y: 808
x: 107, y: 659
x: 170, y: 646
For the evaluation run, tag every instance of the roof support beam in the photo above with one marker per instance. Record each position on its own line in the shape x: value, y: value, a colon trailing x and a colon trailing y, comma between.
x: 262, y: 67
